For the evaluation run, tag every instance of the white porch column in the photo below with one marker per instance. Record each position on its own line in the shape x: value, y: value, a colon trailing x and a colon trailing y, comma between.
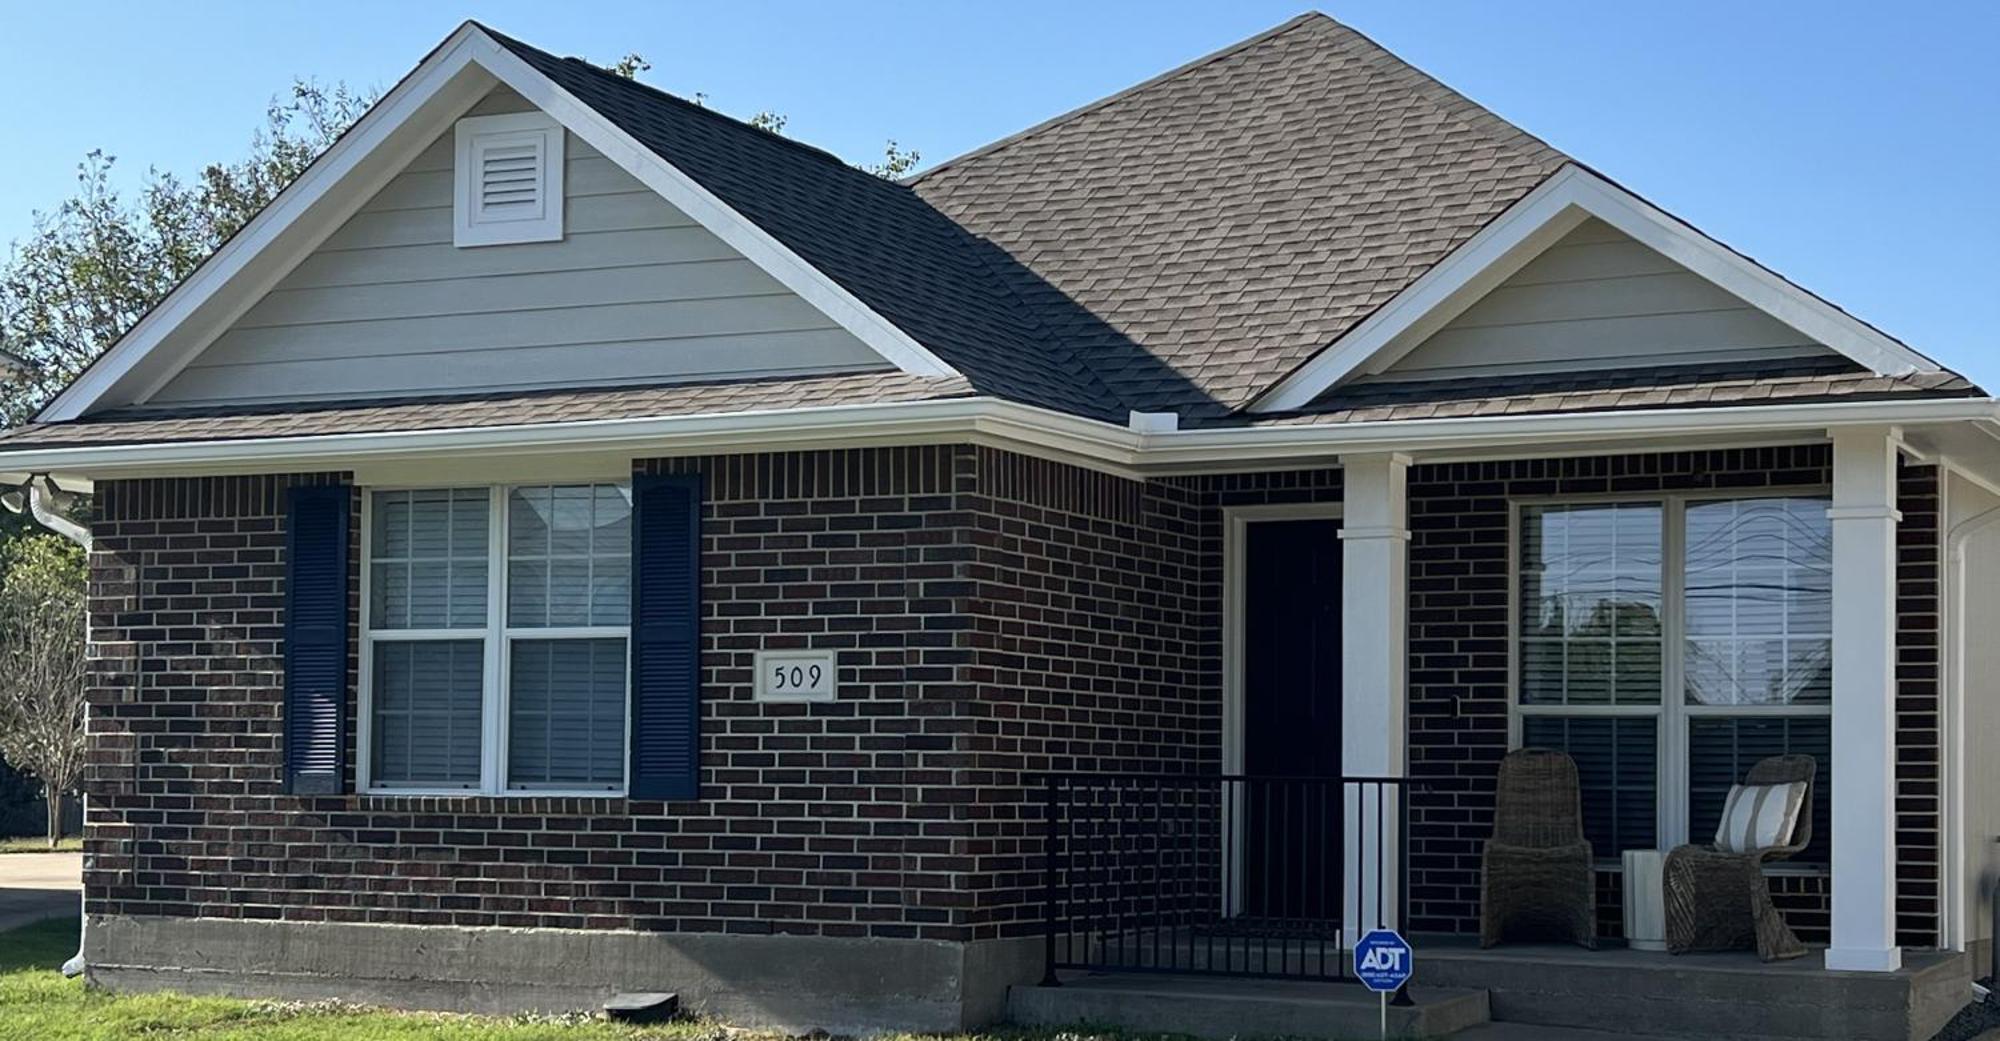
x: 1374, y: 623
x: 1863, y: 784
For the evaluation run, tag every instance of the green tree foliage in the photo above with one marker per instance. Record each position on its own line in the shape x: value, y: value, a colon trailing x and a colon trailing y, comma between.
x: 630, y: 66
x: 42, y: 664
x: 96, y: 263
x: 895, y: 161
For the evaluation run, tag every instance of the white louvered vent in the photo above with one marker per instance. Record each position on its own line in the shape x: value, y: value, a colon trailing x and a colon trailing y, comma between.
x: 509, y: 180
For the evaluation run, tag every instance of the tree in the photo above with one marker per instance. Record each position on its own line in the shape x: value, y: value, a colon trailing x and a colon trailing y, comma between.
x: 895, y: 161
x: 100, y: 260
x: 43, y: 665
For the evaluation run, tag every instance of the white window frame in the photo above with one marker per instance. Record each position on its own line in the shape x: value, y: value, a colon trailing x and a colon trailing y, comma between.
x: 1671, y: 810
x: 474, y: 133
x: 498, y: 639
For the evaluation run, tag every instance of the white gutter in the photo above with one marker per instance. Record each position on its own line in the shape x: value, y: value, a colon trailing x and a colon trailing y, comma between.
x: 996, y: 423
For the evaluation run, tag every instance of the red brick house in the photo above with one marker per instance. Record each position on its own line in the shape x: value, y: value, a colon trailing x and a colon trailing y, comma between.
x: 575, y: 542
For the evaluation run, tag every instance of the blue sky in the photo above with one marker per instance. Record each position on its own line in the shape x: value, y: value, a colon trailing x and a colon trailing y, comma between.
x: 1854, y: 148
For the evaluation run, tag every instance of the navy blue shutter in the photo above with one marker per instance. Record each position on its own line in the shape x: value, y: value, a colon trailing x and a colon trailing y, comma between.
x: 316, y: 639
x: 666, y: 637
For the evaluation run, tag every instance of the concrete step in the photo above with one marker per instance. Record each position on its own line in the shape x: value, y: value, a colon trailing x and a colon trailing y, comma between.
x: 1708, y: 996
x: 1532, y: 1032
x: 1221, y: 1008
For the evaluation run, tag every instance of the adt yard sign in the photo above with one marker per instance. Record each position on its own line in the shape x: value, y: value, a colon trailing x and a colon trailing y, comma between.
x: 1382, y: 960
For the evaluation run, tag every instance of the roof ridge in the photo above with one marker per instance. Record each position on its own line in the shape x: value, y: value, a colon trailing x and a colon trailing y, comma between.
x: 1452, y: 100
x: 990, y: 147
x: 688, y: 104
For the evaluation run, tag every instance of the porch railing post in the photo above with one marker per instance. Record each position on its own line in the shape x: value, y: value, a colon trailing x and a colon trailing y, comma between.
x: 1049, y: 896
x: 1403, y: 877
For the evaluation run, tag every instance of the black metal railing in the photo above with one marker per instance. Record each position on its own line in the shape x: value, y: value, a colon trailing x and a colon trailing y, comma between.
x: 1220, y: 875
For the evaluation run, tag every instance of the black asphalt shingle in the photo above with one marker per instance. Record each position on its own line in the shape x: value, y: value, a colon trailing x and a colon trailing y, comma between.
x: 878, y: 239
x: 1181, y: 245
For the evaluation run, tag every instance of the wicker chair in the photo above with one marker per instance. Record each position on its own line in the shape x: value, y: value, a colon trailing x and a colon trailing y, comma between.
x: 1536, y: 879
x: 1720, y: 901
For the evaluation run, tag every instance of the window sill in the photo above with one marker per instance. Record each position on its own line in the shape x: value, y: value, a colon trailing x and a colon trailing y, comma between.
x: 1781, y: 867
x: 473, y: 793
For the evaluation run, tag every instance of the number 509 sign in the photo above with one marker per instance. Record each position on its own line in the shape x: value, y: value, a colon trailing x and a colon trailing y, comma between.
x: 794, y: 676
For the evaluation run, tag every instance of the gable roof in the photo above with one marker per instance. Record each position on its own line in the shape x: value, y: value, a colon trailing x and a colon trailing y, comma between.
x: 1540, y: 219
x: 1224, y: 222
x: 874, y: 237
x: 457, y: 74
x: 1228, y: 235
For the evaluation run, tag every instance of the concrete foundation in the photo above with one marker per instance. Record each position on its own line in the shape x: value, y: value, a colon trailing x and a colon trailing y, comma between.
x: 791, y: 983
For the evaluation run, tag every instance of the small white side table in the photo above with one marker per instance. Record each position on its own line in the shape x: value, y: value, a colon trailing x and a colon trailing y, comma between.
x: 1645, y: 902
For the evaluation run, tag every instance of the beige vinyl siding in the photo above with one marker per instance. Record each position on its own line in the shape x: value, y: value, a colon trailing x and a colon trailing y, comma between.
x: 636, y: 291
x: 1598, y: 299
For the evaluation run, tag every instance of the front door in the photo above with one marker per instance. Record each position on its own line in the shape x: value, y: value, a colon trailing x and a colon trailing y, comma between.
x: 1291, y: 803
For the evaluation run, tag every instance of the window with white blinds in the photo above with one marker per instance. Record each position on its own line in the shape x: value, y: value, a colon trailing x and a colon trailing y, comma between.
x: 495, y: 650
x: 1669, y: 643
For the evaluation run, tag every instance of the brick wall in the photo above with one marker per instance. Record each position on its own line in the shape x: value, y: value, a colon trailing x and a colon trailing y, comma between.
x: 809, y: 821
x: 1460, y: 636
x: 1098, y: 646
x: 994, y: 616
x: 1459, y: 660
x: 1919, y: 747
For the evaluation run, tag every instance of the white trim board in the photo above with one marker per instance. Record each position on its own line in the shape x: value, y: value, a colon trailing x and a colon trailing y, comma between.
x: 1531, y: 226
x: 1236, y: 521
x: 415, y: 112
x: 1035, y: 431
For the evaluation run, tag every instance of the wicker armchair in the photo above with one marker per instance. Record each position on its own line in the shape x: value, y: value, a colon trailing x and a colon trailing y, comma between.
x: 1720, y: 901
x: 1536, y: 878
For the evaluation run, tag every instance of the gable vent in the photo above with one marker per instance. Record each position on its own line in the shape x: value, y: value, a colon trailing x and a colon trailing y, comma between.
x: 509, y: 180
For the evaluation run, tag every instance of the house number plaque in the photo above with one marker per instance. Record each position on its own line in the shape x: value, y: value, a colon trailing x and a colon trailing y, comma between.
x: 795, y: 676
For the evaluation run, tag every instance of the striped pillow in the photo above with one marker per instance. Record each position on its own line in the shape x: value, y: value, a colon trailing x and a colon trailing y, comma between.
x: 1759, y: 816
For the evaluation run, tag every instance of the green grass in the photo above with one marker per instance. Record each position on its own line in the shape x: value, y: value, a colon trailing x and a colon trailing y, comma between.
x: 36, y: 1002
x: 38, y: 844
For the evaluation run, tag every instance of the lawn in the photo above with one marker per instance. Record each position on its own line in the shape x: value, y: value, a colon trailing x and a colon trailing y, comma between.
x: 36, y: 1002
x: 38, y: 844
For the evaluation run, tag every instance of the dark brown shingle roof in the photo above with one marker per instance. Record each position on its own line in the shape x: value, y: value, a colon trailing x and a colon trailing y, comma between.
x: 1795, y: 381
x: 876, y: 238
x: 156, y: 426
x: 1222, y: 223
x: 1181, y: 245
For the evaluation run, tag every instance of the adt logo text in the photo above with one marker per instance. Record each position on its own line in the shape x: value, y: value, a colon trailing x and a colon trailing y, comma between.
x: 1383, y: 959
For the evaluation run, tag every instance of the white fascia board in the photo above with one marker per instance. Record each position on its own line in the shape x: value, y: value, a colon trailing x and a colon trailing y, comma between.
x: 741, y: 233
x: 339, y: 182
x: 1003, y: 424
x: 243, y: 269
x: 986, y: 420
x: 1440, y: 440
x: 1537, y: 221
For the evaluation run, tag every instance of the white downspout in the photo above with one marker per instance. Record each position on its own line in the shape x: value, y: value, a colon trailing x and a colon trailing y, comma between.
x: 45, y: 513
x: 1956, y: 842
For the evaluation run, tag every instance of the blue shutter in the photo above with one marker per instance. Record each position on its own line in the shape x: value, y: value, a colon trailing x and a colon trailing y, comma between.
x: 316, y: 639
x: 666, y: 637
